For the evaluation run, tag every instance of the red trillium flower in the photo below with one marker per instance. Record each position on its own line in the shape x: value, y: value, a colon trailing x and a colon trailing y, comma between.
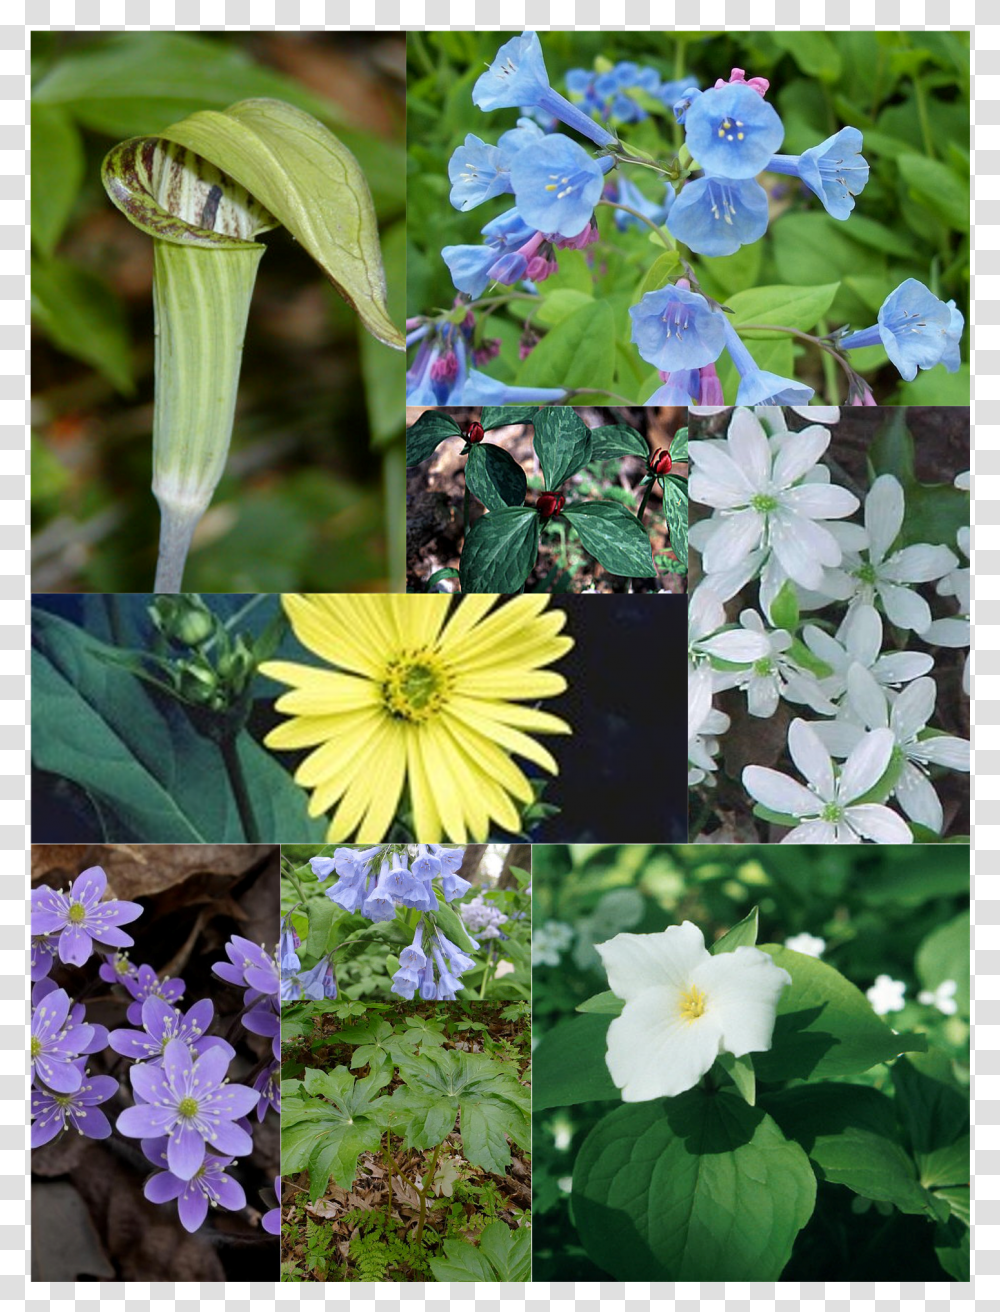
x: 660, y: 462
x: 549, y: 504
x: 474, y: 432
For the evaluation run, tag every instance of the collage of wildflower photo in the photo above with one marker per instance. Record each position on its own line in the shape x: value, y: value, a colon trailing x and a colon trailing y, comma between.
x: 399, y: 400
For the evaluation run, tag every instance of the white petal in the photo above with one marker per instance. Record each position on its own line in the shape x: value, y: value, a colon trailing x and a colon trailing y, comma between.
x: 852, y: 537
x: 749, y: 449
x: 819, y: 414
x: 811, y: 758
x: 737, y: 645
x: 803, y: 547
x: 943, y: 749
x: 861, y: 633
x: 737, y: 535
x: 727, y: 582
x: 762, y: 697
x: 779, y: 793
x: 948, y: 633
x: 906, y: 609
x: 912, y: 709
x: 902, y: 666
x: 884, y: 507
x: 699, y: 699
x: 716, y: 479
x: 867, y: 699
x: 706, y: 613
x: 813, y: 831
x: 654, y: 1052
x: 915, y: 794
x: 826, y: 648
x: 920, y: 564
x: 742, y: 989
x: 798, y: 455
x: 866, y: 765
x: 878, y: 824
x: 839, y: 737
x: 820, y: 502
x: 636, y: 962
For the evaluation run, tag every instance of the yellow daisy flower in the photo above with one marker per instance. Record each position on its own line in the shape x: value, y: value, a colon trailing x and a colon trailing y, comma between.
x: 424, y: 696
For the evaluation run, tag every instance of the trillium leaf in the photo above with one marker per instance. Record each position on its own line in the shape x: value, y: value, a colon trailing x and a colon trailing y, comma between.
x: 425, y: 436
x: 617, y: 440
x: 500, y: 550
x: 698, y: 1187
x: 679, y: 446
x: 494, y: 477
x: 563, y: 445
x: 311, y: 183
x: 497, y: 416
x: 740, y: 1071
x: 570, y: 1064
x: 742, y: 934
x: 602, y: 1004
x: 613, y: 536
x: 825, y: 1026
x: 676, y: 510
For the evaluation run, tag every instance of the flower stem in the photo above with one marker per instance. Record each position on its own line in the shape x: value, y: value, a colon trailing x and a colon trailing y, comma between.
x: 238, y: 783
x: 829, y: 370
x: 423, y: 1194
x: 645, y: 499
x: 644, y: 218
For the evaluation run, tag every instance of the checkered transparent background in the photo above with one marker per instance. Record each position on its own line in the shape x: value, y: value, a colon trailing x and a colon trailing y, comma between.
x: 18, y: 16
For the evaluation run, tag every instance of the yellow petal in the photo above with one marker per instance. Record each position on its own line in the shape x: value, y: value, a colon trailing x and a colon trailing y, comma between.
x: 511, y: 740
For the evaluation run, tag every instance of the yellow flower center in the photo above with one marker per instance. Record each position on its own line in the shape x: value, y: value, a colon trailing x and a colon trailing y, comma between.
x: 693, y: 1003
x: 416, y: 685
x: 36, y: 1047
x: 187, y: 1107
x: 77, y: 912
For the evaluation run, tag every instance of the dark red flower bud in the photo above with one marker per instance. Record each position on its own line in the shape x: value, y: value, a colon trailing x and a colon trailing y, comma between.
x: 474, y: 432
x: 660, y: 462
x: 549, y: 504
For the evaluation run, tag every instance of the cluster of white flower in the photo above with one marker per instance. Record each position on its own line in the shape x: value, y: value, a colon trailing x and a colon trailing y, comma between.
x: 778, y: 519
x: 482, y: 918
x: 887, y: 995
x: 549, y: 941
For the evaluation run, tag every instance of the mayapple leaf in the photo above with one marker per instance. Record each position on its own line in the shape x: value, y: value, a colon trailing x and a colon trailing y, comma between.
x: 327, y: 1123
x: 311, y: 183
x: 494, y: 477
x: 697, y: 1187
x: 503, y: 1254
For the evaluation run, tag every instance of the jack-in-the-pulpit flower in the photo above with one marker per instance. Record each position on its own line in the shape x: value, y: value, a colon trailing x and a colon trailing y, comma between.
x: 683, y: 1007
x: 917, y: 329
x: 79, y: 917
x: 835, y: 170
x: 732, y: 131
x: 675, y: 328
x: 422, y: 695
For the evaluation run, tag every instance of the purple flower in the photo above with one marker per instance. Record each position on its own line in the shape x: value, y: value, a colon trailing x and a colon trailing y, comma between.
x: 80, y: 918
x: 412, y: 957
x: 249, y: 965
x: 56, y: 1041
x: 189, y: 1100
x: 454, y: 886
x: 209, y: 1185
x: 306, y: 986
x: 288, y: 958
x: 426, y: 864
x: 406, y: 981
x: 271, y: 1221
x: 162, y: 1023
x: 43, y: 954
x: 52, y: 1112
x: 379, y: 905
x: 268, y: 1085
x: 263, y: 1020
x: 116, y: 969
x: 145, y: 983
x: 458, y: 961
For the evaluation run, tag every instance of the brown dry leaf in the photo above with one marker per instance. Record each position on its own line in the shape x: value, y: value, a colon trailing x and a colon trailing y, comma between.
x: 324, y: 1208
x: 140, y: 871
x: 65, y: 1246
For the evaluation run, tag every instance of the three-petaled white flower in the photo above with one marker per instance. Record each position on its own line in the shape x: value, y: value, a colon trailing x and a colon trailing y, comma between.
x: 683, y: 1007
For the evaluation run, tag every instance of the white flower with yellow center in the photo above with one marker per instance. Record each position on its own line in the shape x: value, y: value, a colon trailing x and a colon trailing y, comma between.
x: 683, y: 1007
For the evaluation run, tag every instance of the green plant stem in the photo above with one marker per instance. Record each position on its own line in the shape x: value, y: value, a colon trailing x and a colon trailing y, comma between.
x: 643, y: 218
x: 298, y: 886
x: 924, y: 117
x: 238, y: 783
x: 644, y: 501
x: 394, y: 493
x: 487, y: 976
x: 387, y: 1158
x: 805, y: 337
x: 829, y: 370
x: 428, y: 1178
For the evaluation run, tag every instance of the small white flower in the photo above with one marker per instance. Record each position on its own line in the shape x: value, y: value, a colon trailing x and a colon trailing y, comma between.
x: 891, y: 578
x: 829, y: 808
x: 683, y: 1007
x: 956, y: 631
x: 706, y: 617
x: 943, y: 997
x: 859, y: 640
x: 705, y: 723
x: 766, y: 502
x: 886, y: 995
x: 807, y: 944
x: 774, y: 675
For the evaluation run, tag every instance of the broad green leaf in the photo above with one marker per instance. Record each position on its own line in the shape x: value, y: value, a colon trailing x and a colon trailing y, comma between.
x: 602, y: 1004
x: 658, y: 274
x: 917, y: 875
x: 816, y: 53
x: 944, y: 955
x: 617, y: 440
x: 791, y: 307
x: 578, y: 353
x: 502, y: 1254
x: 676, y: 512
x: 494, y: 477
x: 570, y: 1065
x: 741, y: 1072
x: 742, y: 935
x: 939, y: 188
x: 152, y: 776
x: 382, y: 367
x: 679, y: 446
x: 935, y: 387
x: 448, y: 919
x: 425, y: 436
x: 321, y: 913
x: 294, y: 166
x: 562, y: 443
x: 825, y: 1025
x: 559, y: 305
x: 785, y: 608
x: 949, y: 1167
x: 933, y: 1112
x: 327, y: 1122
x: 500, y: 550
x: 849, y: 1132
x: 57, y: 166
x: 496, y: 416
x: 698, y: 1187
x: 952, y: 1243
x: 613, y: 536
x: 82, y: 316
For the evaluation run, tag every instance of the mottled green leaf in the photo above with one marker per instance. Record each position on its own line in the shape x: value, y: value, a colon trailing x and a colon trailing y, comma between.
x: 494, y: 477
x: 613, y: 536
x: 500, y: 550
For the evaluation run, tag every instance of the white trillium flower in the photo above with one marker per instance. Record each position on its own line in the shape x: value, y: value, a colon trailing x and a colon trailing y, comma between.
x: 886, y: 995
x: 891, y: 578
x: 705, y: 723
x: 943, y: 997
x: 683, y: 1007
x: 829, y: 808
x: 859, y: 641
x: 807, y: 944
x: 765, y: 502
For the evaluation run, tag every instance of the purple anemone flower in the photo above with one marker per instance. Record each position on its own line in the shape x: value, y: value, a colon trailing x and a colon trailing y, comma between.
x: 51, y: 1113
x: 57, y: 1042
x: 145, y: 983
x: 209, y: 1185
x: 43, y: 954
x: 263, y: 1020
x: 271, y: 1221
x: 251, y: 966
x: 268, y: 1085
x: 160, y: 1024
x: 80, y: 918
x: 189, y: 1100
x: 116, y: 969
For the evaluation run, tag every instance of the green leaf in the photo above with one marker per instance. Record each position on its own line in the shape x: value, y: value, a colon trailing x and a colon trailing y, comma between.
x: 321, y: 912
x: 56, y: 173
x: 494, y: 476
x: 698, y: 1187
x: 741, y: 1072
x: 503, y: 1254
x: 425, y: 436
x: 602, y: 1004
x: 451, y: 923
x: 500, y: 550
x: 327, y: 1121
x: 785, y: 608
x: 790, y: 307
x: 944, y: 955
x: 679, y: 446
x: 559, y: 305
x: 951, y: 1244
x: 82, y: 316
x: 939, y: 188
x: 578, y: 353
x: 676, y: 513
x: 742, y: 935
x: 849, y: 1132
x: 616, y: 440
x: 562, y: 443
x: 933, y: 1113
x: 658, y: 274
x: 816, y: 53
x: 825, y: 1026
x: 613, y: 536
x: 570, y: 1066
x: 497, y: 416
